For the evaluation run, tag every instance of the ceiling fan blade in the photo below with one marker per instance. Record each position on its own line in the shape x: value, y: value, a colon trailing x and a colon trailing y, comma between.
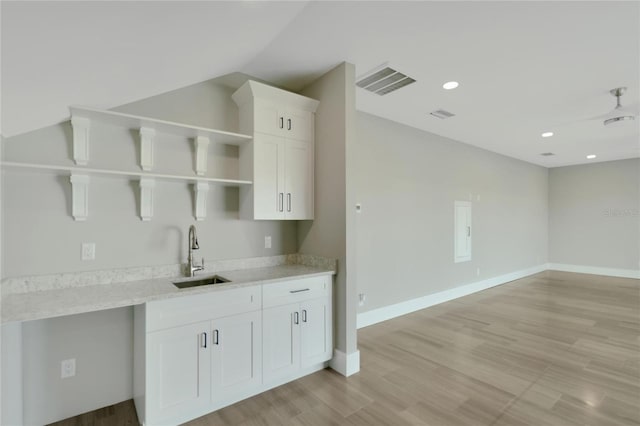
x: 625, y: 110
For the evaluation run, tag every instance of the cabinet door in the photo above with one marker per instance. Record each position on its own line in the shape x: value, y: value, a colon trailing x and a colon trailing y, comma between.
x: 268, y: 118
x: 280, y: 342
x: 236, y: 355
x: 298, y: 177
x: 297, y: 125
x: 178, y: 372
x: 268, y: 178
x: 316, y: 339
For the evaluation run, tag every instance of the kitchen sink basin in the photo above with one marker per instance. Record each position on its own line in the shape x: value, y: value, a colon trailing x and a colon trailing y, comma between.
x: 216, y: 279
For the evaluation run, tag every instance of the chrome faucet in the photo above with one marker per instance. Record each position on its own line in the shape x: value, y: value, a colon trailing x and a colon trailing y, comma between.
x: 193, y: 245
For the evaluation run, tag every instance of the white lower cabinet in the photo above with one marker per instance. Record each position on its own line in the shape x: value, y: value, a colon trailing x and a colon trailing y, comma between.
x: 316, y: 341
x: 235, y: 355
x: 281, y: 353
x: 179, y: 371
x: 196, y: 354
x: 296, y: 336
x: 297, y: 326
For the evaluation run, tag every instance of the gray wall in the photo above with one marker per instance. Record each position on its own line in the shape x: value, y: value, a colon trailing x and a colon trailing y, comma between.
x: 594, y: 217
x: 43, y: 238
x: 41, y: 202
x: 327, y: 234
x: 407, y: 182
x: 103, y: 368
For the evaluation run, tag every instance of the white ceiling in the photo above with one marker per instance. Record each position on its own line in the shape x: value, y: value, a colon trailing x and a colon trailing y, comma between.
x: 523, y: 67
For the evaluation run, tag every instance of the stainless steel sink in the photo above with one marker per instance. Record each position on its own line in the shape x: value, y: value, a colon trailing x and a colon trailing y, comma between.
x: 216, y: 279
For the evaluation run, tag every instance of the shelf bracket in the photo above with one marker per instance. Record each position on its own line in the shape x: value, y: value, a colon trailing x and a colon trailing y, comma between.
x: 200, y: 189
x: 146, y: 198
x: 202, y: 145
x: 146, y: 148
x: 80, y: 140
x: 79, y: 197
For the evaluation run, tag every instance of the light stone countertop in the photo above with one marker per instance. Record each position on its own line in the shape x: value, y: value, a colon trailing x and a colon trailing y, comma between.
x: 74, y: 300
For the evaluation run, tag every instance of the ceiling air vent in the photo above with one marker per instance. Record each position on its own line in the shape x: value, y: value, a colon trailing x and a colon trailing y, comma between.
x: 442, y: 114
x: 547, y: 154
x: 385, y: 81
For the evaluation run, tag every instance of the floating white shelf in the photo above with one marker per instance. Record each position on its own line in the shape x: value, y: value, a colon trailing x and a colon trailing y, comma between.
x: 82, y: 119
x: 160, y: 126
x: 79, y: 177
x: 122, y: 173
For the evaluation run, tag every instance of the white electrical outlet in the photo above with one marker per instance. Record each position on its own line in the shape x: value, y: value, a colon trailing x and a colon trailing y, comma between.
x: 361, y: 299
x: 68, y: 368
x: 267, y: 241
x: 88, y: 251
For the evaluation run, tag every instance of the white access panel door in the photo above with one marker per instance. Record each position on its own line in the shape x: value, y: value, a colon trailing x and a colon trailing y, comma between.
x: 236, y: 355
x: 281, y: 342
x: 268, y: 181
x: 178, y: 372
x: 462, y: 231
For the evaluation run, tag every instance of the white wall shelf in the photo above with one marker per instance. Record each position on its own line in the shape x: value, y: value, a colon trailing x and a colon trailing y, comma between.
x: 127, y: 174
x: 79, y: 177
x: 160, y: 126
x: 82, y: 122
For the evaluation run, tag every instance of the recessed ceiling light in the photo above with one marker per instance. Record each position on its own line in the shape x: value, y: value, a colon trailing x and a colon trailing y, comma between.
x: 449, y: 85
x: 591, y: 156
x: 547, y: 134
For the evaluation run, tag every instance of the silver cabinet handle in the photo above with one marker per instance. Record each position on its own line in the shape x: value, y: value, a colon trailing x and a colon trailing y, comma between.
x: 468, y: 231
x: 282, y: 122
x: 299, y: 291
x: 281, y: 201
x: 289, y: 124
x: 288, y: 201
x: 304, y: 315
x: 203, y: 340
x: 216, y: 337
x: 296, y: 319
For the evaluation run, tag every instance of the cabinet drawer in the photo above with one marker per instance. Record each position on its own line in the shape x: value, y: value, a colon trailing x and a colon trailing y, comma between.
x: 294, y: 291
x: 163, y: 314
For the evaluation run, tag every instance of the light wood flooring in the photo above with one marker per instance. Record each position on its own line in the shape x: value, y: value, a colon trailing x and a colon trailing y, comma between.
x: 551, y: 349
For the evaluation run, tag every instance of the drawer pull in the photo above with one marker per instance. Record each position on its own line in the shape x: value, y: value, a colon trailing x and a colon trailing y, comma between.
x: 298, y: 291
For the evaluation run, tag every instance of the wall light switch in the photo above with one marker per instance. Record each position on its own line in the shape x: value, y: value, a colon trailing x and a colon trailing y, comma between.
x: 88, y: 251
x: 358, y: 208
x: 267, y: 241
x: 68, y: 368
x: 361, y: 299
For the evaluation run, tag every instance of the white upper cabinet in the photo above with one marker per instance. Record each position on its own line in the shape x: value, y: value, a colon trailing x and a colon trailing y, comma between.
x: 280, y: 159
x: 276, y: 120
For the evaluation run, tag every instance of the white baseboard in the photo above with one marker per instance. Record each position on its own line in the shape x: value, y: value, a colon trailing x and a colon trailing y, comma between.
x: 385, y: 313
x: 345, y: 364
x: 596, y: 270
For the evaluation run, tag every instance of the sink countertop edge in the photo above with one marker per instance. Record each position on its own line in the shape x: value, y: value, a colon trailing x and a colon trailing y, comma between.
x: 76, y: 300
